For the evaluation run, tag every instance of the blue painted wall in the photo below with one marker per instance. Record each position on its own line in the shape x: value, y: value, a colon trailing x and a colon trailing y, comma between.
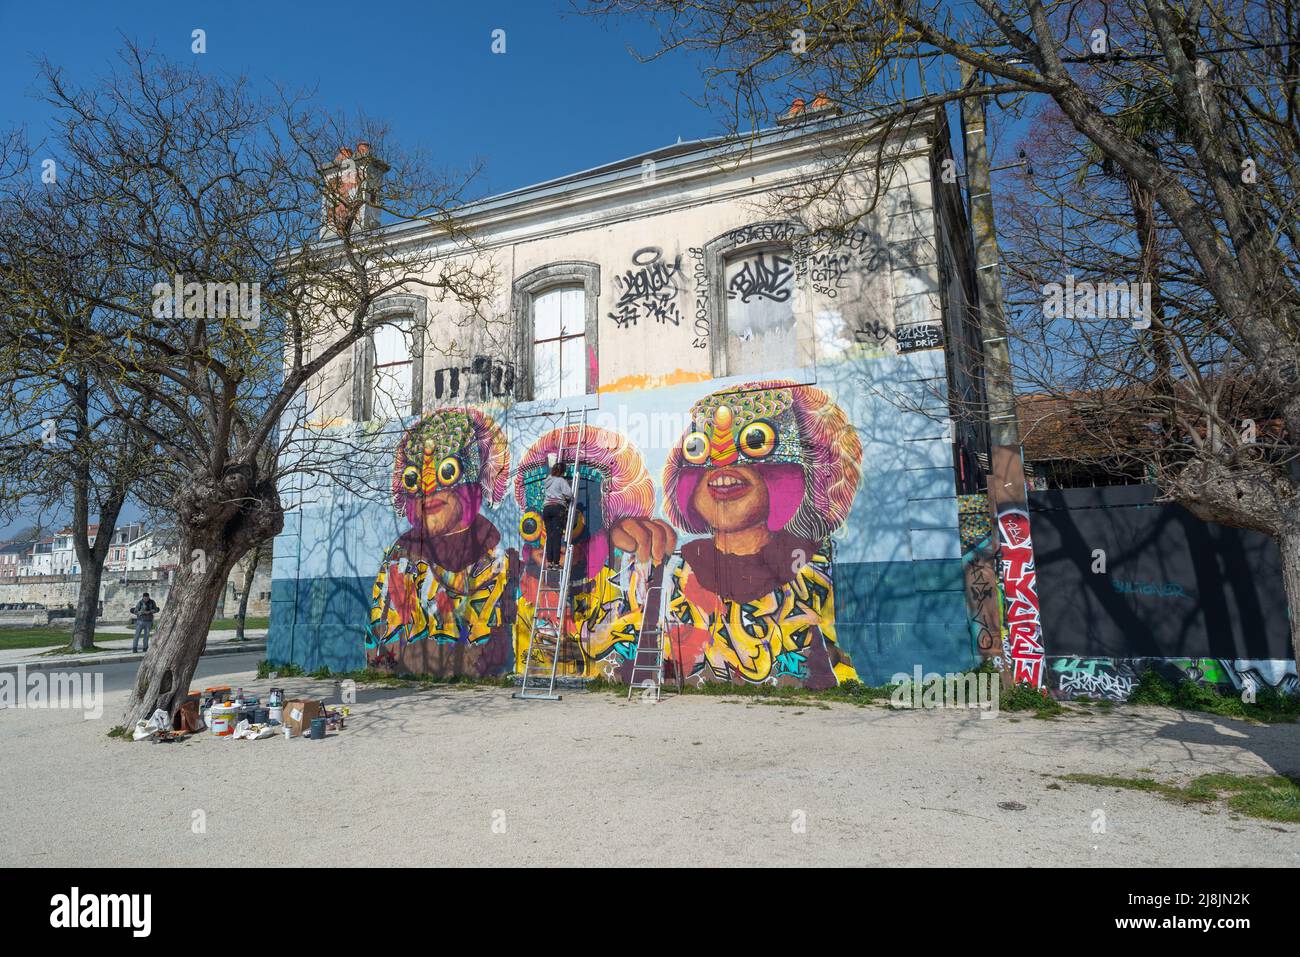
x: 897, y: 569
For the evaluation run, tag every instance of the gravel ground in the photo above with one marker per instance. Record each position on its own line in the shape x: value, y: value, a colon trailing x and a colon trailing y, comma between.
x: 471, y: 777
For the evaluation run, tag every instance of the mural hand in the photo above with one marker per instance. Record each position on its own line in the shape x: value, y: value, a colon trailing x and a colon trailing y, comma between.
x: 649, y: 538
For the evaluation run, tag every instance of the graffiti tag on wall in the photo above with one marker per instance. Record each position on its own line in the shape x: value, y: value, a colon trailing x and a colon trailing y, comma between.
x: 764, y: 275
x: 484, y: 378
x: 700, y: 277
x: 1024, y: 645
x: 649, y: 290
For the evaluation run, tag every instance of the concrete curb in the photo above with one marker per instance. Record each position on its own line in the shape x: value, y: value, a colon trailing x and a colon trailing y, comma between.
x: 60, y: 663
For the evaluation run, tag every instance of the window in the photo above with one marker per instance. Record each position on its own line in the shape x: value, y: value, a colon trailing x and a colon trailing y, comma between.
x: 761, y: 333
x: 753, y: 299
x: 387, y: 380
x: 554, y: 309
x: 559, y: 339
x: 390, y: 382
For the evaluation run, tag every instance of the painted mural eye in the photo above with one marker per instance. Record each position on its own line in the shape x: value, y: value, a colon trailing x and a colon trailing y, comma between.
x: 530, y: 527
x: 695, y: 449
x: 448, y: 470
x: 410, y: 478
x: 758, y: 439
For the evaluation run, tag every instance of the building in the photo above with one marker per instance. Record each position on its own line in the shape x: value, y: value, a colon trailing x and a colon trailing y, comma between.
x: 125, y: 537
x: 767, y: 402
x: 14, y: 556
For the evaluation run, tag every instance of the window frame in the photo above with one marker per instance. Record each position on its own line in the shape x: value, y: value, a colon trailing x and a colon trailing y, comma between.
x: 397, y: 307
x: 735, y: 243
x: 525, y: 290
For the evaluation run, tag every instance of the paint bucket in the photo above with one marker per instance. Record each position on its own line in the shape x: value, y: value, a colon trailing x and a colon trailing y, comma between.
x: 275, y: 715
x: 276, y: 698
x: 222, y: 720
x: 260, y: 715
x: 317, y: 728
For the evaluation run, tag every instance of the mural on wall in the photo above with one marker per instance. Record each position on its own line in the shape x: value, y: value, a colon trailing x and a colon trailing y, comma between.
x: 445, y: 592
x: 1073, y: 676
x: 1023, y: 636
x: 979, y: 570
x: 748, y: 499
x: 767, y: 471
x: 615, y: 499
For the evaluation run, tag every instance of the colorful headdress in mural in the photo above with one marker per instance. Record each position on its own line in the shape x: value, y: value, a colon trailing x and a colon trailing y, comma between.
x: 628, y: 490
x: 458, y: 448
x: 801, y: 441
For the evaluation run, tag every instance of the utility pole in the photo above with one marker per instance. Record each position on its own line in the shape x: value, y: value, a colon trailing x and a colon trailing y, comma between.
x: 1022, y: 655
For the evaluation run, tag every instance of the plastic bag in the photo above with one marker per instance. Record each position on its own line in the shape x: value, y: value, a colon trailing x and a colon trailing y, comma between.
x: 156, y: 724
x: 253, y: 732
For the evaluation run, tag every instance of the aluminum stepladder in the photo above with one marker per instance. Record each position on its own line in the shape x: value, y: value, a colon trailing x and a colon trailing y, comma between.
x: 575, y: 422
x: 648, y: 658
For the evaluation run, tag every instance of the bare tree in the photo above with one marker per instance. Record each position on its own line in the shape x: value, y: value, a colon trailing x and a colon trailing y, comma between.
x: 1217, y: 173
x: 227, y: 296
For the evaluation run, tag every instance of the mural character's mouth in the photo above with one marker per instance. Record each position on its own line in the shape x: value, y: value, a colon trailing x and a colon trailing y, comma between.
x: 727, y: 485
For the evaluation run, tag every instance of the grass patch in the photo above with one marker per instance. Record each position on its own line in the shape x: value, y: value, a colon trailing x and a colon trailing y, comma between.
x: 1025, y: 697
x: 119, y: 731
x: 11, y: 638
x: 230, y: 624
x: 850, y: 692
x: 1269, y: 798
x: 369, y: 676
x: 1269, y: 706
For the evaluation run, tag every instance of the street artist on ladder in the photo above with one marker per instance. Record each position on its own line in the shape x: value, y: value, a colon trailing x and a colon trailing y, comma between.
x: 557, y: 493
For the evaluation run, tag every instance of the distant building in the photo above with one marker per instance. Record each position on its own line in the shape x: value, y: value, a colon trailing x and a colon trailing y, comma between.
x: 153, y: 551
x: 124, y: 538
x: 15, y: 556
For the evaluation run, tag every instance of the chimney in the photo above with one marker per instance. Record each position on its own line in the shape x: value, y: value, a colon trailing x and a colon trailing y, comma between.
x: 801, y: 112
x: 351, y: 194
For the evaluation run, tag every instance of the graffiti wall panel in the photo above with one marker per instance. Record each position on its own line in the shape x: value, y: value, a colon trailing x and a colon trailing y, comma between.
x: 443, y: 598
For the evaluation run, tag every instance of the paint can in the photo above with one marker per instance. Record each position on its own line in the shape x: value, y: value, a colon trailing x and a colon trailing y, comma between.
x: 317, y: 728
x: 259, y: 715
x: 222, y: 720
x: 275, y: 714
x: 275, y: 698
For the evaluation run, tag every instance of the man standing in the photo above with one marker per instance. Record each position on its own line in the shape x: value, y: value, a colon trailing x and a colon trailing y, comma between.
x: 143, y: 611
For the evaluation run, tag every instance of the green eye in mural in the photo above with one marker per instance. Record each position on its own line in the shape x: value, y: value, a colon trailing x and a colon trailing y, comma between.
x: 758, y: 439
x: 410, y: 478
x: 530, y: 527
x: 448, y: 470
x: 695, y: 448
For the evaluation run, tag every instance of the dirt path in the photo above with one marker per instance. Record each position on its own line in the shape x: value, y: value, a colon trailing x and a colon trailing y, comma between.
x: 469, y: 776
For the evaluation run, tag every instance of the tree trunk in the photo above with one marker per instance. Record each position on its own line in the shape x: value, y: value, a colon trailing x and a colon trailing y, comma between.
x: 91, y: 559
x: 83, y: 626
x: 1288, y: 542
x: 218, y: 521
x: 254, y: 559
x: 178, y: 641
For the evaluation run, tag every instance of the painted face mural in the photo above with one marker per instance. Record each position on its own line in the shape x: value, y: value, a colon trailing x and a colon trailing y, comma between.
x: 612, y: 532
x: 768, y: 470
x: 444, y: 595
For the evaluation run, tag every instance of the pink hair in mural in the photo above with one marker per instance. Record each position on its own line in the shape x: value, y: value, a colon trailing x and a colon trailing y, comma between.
x: 625, y: 488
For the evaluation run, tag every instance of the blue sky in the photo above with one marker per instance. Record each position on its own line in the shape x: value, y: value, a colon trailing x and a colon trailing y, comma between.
x: 566, y: 95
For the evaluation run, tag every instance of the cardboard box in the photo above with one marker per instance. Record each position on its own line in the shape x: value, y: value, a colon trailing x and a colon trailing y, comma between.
x: 298, y: 715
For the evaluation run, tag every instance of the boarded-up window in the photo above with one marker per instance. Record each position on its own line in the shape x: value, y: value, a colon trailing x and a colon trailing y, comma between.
x: 559, y: 343
x: 760, y: 311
